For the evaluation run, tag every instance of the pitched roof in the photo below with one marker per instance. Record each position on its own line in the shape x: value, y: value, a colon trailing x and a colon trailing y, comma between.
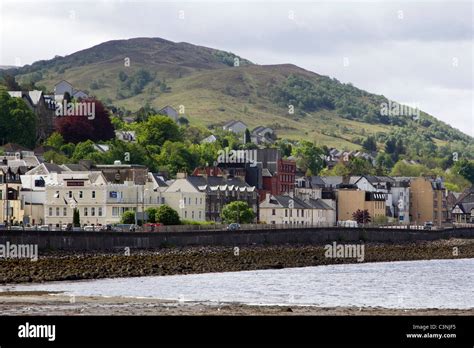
x: 285, y: 201
x: 319, y: 204
x: 159, y: 180
x: 53, y: 168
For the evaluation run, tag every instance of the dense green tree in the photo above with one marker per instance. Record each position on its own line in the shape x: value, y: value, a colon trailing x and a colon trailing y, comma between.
x: 10, y: 83
x: 360, y: 166
x: 55, y: 140
x: 369, y: 144
x: 55, y: 157
x: 247, y: 136
x: 167, y: 215
x: 404, y: 169
x: 17, y: 121
x: 177, y: 156
x: 128, y: 217
x: 83, y: 151
x: 384, y: 160
x: 285, y: 148
x: 237, y: 212
x: 157, y: 130
x: 183, y: 121
x: 151, y: 213
x: 309, y: 156
x: 466, y: 169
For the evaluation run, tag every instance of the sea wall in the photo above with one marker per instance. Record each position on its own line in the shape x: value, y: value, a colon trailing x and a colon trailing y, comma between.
x: 62, y: 240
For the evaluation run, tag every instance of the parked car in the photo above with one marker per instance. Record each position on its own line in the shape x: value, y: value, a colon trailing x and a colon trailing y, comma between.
x: 43, y: 228
x: 233, y: 227
x: 91, y: 228
x: 106, y: 228
x: 348, y: 223
x: 125, y: 228
x: 428, y: 225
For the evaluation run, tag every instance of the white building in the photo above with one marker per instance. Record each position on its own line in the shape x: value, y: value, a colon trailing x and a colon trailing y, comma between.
x: 285, y: 209
x: 186, y: 199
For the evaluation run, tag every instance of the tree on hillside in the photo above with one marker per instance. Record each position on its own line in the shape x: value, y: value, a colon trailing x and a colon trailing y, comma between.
x: 247, y: 136
x: 157, y: 130
x: 167, y: 215
x: 466, y: 169
x: 369, y: 144
x: 404, y: 169
x: 17, y: 121
x: 177, y: 157
x: 360, y: 166
x: 361, y: 216
x: 183, y: 121
x: 55, y: 140
x: 237, y: 212
x: 309, y: 156
x: 10, y: 83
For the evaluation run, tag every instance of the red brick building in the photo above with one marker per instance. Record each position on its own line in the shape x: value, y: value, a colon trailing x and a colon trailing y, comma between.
x: 280, y: 181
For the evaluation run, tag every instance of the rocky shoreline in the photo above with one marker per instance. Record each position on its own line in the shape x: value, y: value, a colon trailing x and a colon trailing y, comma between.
x: 54, y: 266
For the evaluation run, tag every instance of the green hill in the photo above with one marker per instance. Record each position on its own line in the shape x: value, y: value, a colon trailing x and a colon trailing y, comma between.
x: 212, y: 90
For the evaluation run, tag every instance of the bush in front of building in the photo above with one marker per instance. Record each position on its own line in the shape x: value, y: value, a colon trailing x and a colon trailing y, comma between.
x: 128, y: 217
x: 151, y: 214
x: 237, y: 212
x: 167, y: 215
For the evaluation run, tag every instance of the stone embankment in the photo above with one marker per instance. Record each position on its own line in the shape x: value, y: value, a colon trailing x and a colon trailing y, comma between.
x: 62, y: 265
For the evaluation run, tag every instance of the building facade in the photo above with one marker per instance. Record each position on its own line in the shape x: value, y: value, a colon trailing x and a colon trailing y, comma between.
x: 428, y: 201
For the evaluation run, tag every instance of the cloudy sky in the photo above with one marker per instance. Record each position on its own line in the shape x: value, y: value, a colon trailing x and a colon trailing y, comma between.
x: 420, y: 53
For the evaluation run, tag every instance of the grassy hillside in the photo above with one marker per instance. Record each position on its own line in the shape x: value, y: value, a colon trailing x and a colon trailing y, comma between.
x: 213, y: 90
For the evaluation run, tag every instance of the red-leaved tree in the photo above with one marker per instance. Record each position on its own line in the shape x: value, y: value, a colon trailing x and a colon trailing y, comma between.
x: 77, y: 128
x: 361, y: 216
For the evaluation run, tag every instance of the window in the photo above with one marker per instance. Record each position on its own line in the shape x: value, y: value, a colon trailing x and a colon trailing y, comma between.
x: 200, y: 200
x: 56, y: 194
x: 200, y: 215
x: 57, y: 211
x: 192, y: 214
x: 93, y: 194
x: 64, y: 211
x: 100, y: 211
x: 273, y: 212
x: 50, y: 213
x: 70, y: 194
x: 92, y: 211
x: 86, y: 213
x: 196, y: 201
x: 115, y: 211
x: 80, y: 194
x: 286, y: 212
x: 185, y: 214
